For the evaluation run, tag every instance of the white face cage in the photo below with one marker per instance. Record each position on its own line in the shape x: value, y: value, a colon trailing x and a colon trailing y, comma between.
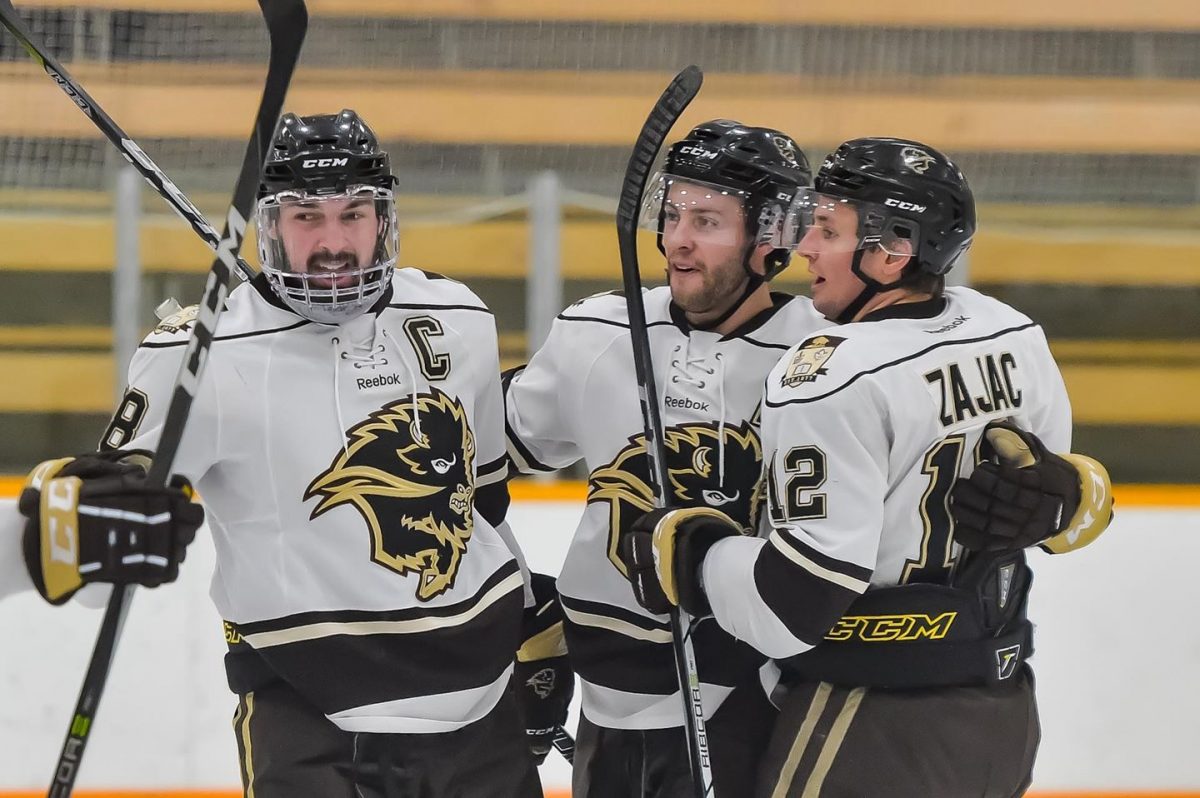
x: 330, y: 257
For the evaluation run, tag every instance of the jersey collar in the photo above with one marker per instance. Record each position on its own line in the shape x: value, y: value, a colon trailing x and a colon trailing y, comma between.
x: 925, y: 309
x: 778, y: 300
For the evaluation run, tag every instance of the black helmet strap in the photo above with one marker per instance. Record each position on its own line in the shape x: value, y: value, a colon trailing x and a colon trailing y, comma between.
x: 871, y: 286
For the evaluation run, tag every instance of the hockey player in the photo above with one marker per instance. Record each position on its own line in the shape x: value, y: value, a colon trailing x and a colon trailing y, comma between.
x: 92, y: 518
x: 348, y: 441
x: 903, y: 659
x: 716, y: 329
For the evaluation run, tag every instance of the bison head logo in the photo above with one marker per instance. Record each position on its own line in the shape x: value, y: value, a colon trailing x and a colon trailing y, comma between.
x: 694, y: 471
x: 411, y: 475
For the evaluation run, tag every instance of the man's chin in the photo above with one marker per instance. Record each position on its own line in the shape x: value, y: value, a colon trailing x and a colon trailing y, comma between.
x: 697, y: 309
x: 826, y: 307
x: 689, y: 293
x: 689, y: 303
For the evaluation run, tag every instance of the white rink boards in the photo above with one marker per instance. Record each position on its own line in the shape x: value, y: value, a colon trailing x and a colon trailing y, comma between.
x: 1117, y: 662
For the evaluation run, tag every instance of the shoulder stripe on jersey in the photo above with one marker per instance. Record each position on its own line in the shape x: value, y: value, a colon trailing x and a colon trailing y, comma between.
x: 422, y: 306
x: 521, y: 457
x: 437, y: 276
x: 622, y: 324
x: 495, y: 471
x: 763, y: 344
x: 324, y: 623
x: 618, y: 614
x: 846, y: 574
x: 898, y: 361
x: 235, y: 336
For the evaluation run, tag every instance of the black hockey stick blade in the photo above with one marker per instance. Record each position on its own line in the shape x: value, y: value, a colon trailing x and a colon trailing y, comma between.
x: 129, y: 148
x: 670, y: 106
x: 666, y: 112
x: 287, y: 23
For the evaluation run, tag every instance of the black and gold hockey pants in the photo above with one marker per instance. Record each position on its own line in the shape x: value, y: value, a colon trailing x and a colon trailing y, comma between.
x: 288, y: 749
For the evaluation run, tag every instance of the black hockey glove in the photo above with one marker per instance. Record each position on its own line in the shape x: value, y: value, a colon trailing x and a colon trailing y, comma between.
x: 544, y: 677
x: 93, y: 518
x: 663, y: 551
x: 1027, y: 495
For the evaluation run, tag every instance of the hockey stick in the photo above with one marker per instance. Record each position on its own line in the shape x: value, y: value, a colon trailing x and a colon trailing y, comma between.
x: 666, y: 112
x: 287, y: 23
x: 564, y: 743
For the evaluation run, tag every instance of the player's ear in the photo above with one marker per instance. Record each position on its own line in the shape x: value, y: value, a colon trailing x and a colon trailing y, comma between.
x: 898, y: 252
x: 758, y: 258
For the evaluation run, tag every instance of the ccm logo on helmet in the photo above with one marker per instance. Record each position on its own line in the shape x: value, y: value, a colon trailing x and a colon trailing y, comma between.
x: 700, y: 152
x: 320, y: 163
x: 905, y: 206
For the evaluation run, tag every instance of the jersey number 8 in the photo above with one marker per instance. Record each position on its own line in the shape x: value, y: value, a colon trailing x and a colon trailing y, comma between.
x: 125, y: 421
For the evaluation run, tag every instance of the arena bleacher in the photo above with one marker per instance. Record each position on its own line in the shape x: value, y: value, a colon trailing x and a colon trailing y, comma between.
x: 1076, y: 123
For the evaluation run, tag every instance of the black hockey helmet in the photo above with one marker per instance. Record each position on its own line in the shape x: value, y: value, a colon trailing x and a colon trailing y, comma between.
x: 324, y: 154
x: 910, y: 187
x: 327, y: 161
x: 763, y: 163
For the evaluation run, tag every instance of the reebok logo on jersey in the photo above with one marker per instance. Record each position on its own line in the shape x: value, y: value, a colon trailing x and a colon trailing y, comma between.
x: 685, y: 404
x: 809, y: 361
x: 377, y: 382
x: 958, y: 321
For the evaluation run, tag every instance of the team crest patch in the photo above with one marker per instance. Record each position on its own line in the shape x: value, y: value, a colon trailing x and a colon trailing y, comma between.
x: 542, y: 682
x: 917, y: 159
x: 178, y: 321
x: 786, y: 148
x: 810, y: 359
x: 412, y: 479
x: 692, y: 466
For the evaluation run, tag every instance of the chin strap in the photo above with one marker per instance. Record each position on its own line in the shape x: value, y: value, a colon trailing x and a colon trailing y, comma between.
x: 871, y: 287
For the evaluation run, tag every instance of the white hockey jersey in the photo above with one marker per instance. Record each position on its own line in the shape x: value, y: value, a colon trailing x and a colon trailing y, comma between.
x: 865, y: 428
x: 353, y: 477
x: 578, y: 399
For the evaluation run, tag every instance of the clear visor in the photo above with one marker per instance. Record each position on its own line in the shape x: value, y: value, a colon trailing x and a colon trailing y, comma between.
x: 685, y: 210
x: 825, y: 224
x: 328, y: 248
